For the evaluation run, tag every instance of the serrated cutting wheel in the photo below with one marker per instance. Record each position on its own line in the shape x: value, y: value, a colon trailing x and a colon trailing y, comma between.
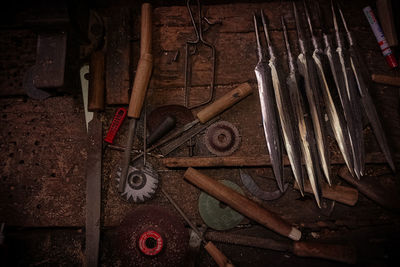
x: 141, y: 183
x: 222, y: 138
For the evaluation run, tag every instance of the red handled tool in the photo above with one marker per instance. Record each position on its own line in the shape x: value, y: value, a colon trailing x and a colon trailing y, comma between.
x: 116, y: 123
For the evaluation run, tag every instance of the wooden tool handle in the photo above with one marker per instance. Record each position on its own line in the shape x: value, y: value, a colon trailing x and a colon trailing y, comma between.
x: 342, y: 253
x: 242, y: 204
x: 386, y: 79
x: 140, y: 84
x: 217, y: 255
x: 145, y: 31
x: 249, y: 161
x: 371, y: 187
x: 224, y: 102
x: 385, y: 14
x: 339, y: 193
x: 231, y: 161
x: 96, y: 82
x: 144, y: 67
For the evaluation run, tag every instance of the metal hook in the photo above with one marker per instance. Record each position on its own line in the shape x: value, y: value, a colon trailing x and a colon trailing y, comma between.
x: 199, y: 40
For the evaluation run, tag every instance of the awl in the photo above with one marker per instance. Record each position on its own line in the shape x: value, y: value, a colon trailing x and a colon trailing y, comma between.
x: 214, y: 252
x: 140, y: 84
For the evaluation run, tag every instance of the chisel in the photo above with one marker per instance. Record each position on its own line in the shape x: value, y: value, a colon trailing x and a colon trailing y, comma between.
x: 140, y: 84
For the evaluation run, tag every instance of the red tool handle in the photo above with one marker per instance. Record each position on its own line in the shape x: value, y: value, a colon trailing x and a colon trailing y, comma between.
x: 116, y: 123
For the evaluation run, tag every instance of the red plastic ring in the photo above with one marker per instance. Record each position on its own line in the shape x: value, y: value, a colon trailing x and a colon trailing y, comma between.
x: 151, y: 243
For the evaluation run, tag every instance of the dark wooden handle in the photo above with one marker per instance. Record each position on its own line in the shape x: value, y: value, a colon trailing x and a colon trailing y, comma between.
x: 370, y: 187
x: 339, y: 193
x: 242, y: 204
x: 224, y: 102
x: 96, y: 82
x: 386, y: 79
x: 217, y: 255
x: 385, y: 13
x: 342, y: 253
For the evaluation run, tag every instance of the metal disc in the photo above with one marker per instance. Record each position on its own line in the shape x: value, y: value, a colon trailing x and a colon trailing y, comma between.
x: 216, y: 214
x: 222, y: 138
x: 141, y: 183
x: 160, y: 231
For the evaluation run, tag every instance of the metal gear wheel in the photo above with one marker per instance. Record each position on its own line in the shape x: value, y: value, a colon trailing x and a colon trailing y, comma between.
x: 141, y: 183
x: 222, y: 138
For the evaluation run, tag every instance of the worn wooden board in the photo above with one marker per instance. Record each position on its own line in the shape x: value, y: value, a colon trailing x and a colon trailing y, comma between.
x: 42, y: 162
x: 118, y: 56
x: 55, y: 194
x: 17, y: 54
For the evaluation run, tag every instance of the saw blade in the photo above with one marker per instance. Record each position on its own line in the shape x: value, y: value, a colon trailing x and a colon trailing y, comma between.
x: 152, y: 236
x: 141, y: 183
x: 251, y: 185
x: 222, y: 138
x: 216, y: 214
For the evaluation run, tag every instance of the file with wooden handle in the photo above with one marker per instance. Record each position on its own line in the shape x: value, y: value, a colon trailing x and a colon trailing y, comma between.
x: 242, y: 204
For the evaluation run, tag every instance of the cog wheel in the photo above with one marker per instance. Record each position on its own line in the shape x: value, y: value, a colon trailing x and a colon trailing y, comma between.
x: 141, y: 183
x: 222, y: 138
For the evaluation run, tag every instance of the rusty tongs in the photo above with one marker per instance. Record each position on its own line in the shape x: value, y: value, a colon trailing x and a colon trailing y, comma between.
x: 194, y: 43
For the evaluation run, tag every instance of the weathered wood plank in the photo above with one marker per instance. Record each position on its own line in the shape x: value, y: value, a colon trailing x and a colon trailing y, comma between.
x: 118, y: 57
x: 234, y: 41
x: 42, y: 152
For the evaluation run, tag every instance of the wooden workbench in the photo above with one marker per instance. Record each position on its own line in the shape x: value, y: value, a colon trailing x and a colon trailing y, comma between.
x: 42, y: 143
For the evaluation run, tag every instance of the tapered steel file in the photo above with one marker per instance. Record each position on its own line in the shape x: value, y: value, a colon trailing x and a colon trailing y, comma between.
x: 327, y: 85
x: 304, y: 123
x: 268, y: 110
x: 307, y: 70
x: 286, y: 115
x: 364, y: 83
x: 350, y: 101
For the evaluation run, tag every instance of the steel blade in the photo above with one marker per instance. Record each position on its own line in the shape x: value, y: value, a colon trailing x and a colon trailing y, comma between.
x: 93, y: 190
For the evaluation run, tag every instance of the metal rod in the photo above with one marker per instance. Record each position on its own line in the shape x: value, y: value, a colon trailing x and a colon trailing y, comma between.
x: 191, y: 224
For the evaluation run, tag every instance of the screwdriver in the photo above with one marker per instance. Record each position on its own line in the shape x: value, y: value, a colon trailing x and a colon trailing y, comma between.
x: 140, y: 84
x: 214, y: 252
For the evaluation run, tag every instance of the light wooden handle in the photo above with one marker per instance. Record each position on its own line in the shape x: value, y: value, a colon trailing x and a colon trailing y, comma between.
x: 140, y: 84
x: 144, y: 67
x: 217, y: 255
x: 342, y: 253
x: 339, y: 193
x: 224, y: 102
x: 96, y: 82
x: 145, y: 31
x: 242, y: 204
x: 386, y: 79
